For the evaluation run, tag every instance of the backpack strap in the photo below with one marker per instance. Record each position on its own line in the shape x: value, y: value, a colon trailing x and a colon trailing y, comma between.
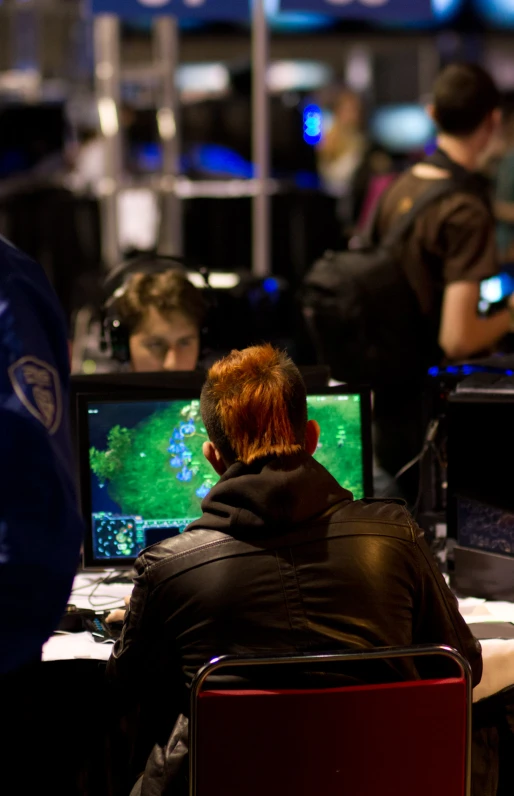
x: 402, y: 227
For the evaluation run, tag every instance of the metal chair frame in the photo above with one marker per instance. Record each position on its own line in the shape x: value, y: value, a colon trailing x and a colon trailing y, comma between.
x: 383, y: 653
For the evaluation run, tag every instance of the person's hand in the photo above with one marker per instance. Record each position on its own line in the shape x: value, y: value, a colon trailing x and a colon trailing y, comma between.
x: 119, y: 614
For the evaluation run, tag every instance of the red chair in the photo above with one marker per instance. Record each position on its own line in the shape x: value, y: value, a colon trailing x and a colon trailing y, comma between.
x: 398, y: 739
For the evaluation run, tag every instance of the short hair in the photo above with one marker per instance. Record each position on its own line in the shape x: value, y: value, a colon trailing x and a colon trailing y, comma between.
x: 168, y: 291
x: 254, y: 404
x: 464, y: 95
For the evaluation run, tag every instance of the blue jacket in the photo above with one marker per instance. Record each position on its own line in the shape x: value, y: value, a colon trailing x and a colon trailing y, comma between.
x: 40, y: 525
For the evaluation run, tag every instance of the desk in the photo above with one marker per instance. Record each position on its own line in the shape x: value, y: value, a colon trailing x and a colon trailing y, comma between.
x: 498, y: 654
x: 90, y: 592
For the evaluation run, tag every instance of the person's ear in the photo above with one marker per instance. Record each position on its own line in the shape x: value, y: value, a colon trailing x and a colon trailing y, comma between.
x: 312, y: 432
x: 214, y: 458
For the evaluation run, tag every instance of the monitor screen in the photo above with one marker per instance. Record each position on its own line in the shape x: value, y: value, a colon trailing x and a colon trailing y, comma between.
x: 143, y: 475
x: 402, y: 128
x: 138, y: 219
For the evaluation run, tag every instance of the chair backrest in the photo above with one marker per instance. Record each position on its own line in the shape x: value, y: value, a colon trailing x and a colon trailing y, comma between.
x: 400, y: 739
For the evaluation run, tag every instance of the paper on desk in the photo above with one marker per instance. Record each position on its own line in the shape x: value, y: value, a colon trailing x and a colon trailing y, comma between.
x: 476, y: 610
x: 468, y: 604
x: 501, y: 611
x: 498, y: 673
x: 75, y: 645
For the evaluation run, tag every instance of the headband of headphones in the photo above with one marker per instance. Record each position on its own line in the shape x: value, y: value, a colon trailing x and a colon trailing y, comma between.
x: 113, y: 333
x: 148, y: 263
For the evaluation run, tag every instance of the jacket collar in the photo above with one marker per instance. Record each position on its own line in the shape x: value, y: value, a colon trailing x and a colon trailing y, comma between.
x: 270, y: 495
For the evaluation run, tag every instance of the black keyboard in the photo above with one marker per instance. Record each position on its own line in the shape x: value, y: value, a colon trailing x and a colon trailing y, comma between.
x: 101, y: 630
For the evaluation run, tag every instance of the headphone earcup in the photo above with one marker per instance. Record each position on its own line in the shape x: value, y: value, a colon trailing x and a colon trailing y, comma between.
x: 118, y: 339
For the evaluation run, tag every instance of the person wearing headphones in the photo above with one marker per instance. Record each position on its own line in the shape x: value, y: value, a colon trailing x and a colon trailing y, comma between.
x: 153, y: 321
x: 161, y: 317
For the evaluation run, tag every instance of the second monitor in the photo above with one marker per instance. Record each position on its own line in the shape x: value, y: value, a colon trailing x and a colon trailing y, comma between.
x: 143, y: 475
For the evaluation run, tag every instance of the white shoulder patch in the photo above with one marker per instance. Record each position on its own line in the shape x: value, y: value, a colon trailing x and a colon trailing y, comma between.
x: 38, y: 387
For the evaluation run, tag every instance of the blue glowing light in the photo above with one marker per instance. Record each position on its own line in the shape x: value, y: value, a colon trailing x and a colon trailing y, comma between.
x: 312, y: 125
x: 445, y: 9
x: 307, y: 180
x: 270, y: 285
x: 433, y: 371
x: 149, y: 157
x: 214, y: 159
x: 498, y: 12
x: 295, y: 21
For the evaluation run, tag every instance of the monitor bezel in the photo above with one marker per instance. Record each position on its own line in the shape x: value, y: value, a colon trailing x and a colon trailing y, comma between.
x: 83, y: 400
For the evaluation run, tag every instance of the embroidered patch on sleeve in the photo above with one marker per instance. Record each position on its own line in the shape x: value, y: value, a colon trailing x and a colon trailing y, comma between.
x: 38, y: 387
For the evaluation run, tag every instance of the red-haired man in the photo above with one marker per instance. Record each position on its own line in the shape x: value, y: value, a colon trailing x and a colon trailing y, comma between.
x: 282, y: 559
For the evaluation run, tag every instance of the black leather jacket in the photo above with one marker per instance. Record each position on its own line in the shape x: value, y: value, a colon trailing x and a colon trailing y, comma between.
x: 282, y: 560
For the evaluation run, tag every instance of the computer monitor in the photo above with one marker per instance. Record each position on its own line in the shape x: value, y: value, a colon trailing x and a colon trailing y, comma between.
x: 180, y: 384
x: 143, y: 475
x: 480, y: 496
x: 138, y: 219
x: 402, y: 128
x: 480, y: 434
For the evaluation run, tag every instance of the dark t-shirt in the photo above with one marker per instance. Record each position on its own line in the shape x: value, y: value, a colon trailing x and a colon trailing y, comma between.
x: 452, y: 241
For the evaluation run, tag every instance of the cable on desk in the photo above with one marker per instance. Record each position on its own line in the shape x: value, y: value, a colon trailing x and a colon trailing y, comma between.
x: 85, y: 586
x: 111, y: 602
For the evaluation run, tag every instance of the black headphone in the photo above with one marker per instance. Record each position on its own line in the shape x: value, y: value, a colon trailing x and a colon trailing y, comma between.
x: 114, y: 334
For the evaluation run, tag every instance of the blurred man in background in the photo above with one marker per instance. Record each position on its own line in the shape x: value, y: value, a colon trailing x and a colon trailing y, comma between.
x: 504, y: 188
x: 448, y: 252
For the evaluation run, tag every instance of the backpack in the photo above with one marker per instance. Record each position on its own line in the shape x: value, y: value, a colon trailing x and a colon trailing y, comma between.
x: 363, y: 315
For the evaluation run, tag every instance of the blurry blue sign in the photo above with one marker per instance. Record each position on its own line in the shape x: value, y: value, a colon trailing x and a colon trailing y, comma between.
x: 191, y: 9
x: 372, y: 10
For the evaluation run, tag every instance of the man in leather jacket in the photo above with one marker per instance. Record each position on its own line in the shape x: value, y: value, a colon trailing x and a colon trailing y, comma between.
x: 282, y: 559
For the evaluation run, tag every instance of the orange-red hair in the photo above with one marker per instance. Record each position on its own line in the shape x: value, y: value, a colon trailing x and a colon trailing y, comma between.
x: 254, y: 405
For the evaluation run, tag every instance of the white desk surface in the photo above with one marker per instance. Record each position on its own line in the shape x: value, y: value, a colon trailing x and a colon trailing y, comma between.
x: 90, y: 592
